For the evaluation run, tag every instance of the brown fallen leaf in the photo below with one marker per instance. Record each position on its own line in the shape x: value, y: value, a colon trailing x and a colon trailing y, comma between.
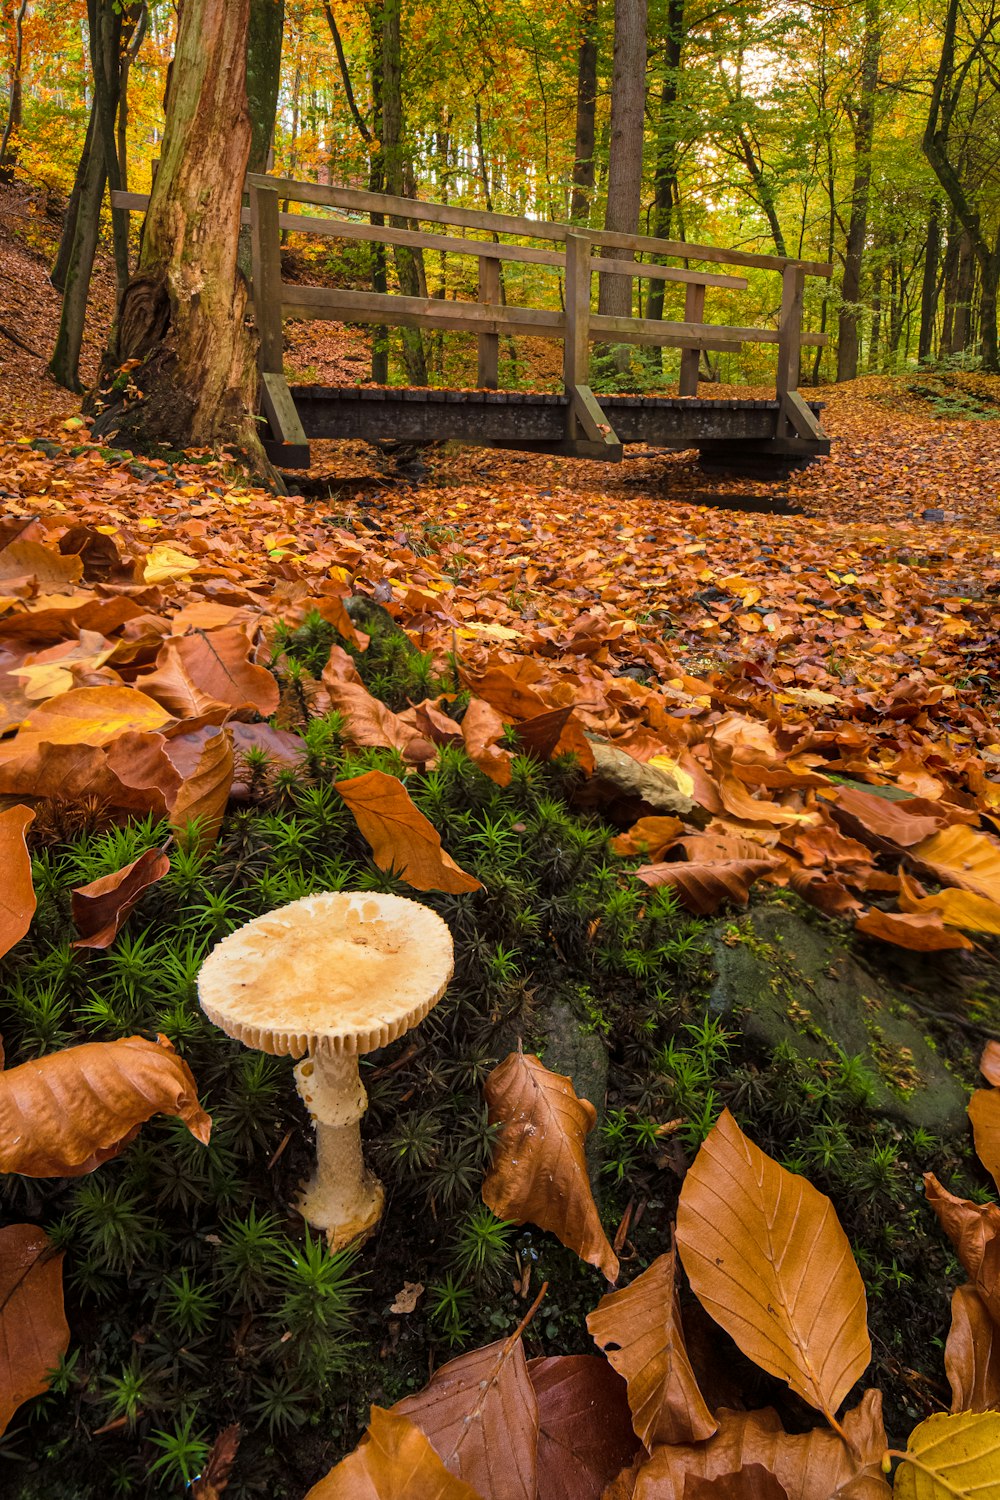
x: 482, y: 731
x: 480, y: 1414
x: 86, y: 716
x: 17, y: 895
x: 406, y: 1299
x: 64, y: 1114
x: 972, y: 1353
x: 956, y: 908
x: 702, y: 888
x: 556, y: 732
x: 101, y: 908
x: 218, y: 1467
x: 585, y: 1435
x: 989, y: 1063
x: 401, y: 838
x: 196, y: 672
x: 204, y: 791
x: 827, y: 893
x: 816, y: 1465
x: 766, y: 1256
x: 751, y: 1482
x: 648, y: 838
x: 964, y: 857
x: 886, y: 825
x: 539, y: 1170
x: 974, y: 1231
x: 394, y: 1459
x: 34, y: 1334
x: 925, y: 933
x: 639, y: 1329
x: 984, y: 1112
x: 369, y: 724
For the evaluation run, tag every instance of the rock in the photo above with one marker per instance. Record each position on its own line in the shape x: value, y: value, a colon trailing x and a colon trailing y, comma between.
x: 374, y: 620
x: 933, y: 513
x: 789, y: 980
x: 626, y: 789
x: 583, y: 1057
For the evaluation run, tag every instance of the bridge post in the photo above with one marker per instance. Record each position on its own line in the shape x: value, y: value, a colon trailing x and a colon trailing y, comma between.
x: 488, y: 376
x: 265, y: 242
x: 576, y: 340
x: 793, y: 280
x: 694, y: 312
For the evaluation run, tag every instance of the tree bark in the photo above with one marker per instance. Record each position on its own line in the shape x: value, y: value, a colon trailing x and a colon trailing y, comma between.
x: 9, y: 143
x: 63, y: 254
x: 864, y: 132
x: 586, y: 115
x: 665, y: 177
x: 182, y: 317
x: 628, y: 100
x: 929, y: 284
x: 136, y: 22
x: 264, y: 38
x: 398, y: 180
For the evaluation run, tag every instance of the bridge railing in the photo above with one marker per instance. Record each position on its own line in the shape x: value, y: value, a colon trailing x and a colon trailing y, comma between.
x: 575, y: 325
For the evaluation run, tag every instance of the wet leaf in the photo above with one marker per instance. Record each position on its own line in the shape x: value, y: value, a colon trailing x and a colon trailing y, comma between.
x: 34, y: 1334
x: 393, y: 1459
x: 765, y: 1255
x: 17, y: 893
x: 539, y: 1170
x: 64, y: 1114
x: 101, y: 908
x: 585, y: 1435
x: 401, y: 838
x: 958, y: 1455
x: 640, y: 1331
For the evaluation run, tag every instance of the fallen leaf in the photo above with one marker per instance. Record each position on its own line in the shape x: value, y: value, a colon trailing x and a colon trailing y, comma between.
x: 751, y: 1482
x: 86, y: 716
x: 164, y: 563
x: 972, y: 1353
x: 957, y: 908
x: 884, y: 824
x: 195, y: 673
x: 702, y: 888
x: 962, y: 856
x: 203, y: 793
x: 959, y: 1457
x: 34, y: 1334
x: 17, y: 895
x: 64, y: 1114
x: 640, y: 1331
x: 648, y: 838
x: 925, y: 933
x: 101, y: 908
x: 539, y: 1170
x: 766, y: 1256
x: 584, y: 1435
x: 401, y: 838
x: 984, y: 1112
x: 406, y: 1300
x: 974, y: 1231
x: 218, y: 1466
x: 989, y: 1063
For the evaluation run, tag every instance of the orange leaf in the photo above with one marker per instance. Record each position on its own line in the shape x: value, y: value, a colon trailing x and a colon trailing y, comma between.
x: 34, y: 1334
x: 585, y: 1435
x: 921, y: 934
x: 974, y: 1231
x: 539, y: 1170
x: 972, y: 1353
x: 814, y: 1465
x: 650, y: 837
x: 702, y: 888
x: 989, y: 1063
x: 101, y: 908
x: 888, y: 825
x: 17, y: 896
x: 957, y: 908
x: 86, y: 716
x: 393, y: 1459
x: 962, y: 856
x: 640, y: 1329
x: 401, y: 838
x: 556, y: 732
x: 766, y: 1256
x: 481, y: 1415
x: 204, y: 792
x: 196, y: 673
x: 751, y: 1482
x: 482, y: 729
x: 984, y: 1112
x: 369, y: 724
x: 64, y: 1114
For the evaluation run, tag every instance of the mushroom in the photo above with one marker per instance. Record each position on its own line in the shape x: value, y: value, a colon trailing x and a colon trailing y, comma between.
x: 325, y: 979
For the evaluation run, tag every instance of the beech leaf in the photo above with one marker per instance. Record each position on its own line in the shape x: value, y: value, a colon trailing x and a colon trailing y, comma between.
x: 972, y: 1353
x: 196, y: 673
x: 401, y: 838
x: 17, y: 893
x: 974, y: 1231
x: 766, y: 1256
x: 959, y: 1457
x: 585, y: 1434
x: 34, y: 1334
x: 701, y: 887
x: 984, y: 1112
x: 964, y: 857
x: 539, y: 1168
x: 989, y: 1063
x: 640, y: 1331
x: 752, y: 1482
x: 650, y: 837
x: 64, y: 1114
x: 101, y: 908
x: 481, y: 1415
x: 204, y: 792
x: 923, y: 933
x: 393, y: 1459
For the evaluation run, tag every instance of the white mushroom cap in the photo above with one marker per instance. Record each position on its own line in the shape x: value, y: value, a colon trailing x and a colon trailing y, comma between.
x: 333, y: 973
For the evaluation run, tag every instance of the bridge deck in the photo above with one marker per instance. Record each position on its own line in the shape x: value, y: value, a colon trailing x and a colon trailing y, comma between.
x: 534, y: 420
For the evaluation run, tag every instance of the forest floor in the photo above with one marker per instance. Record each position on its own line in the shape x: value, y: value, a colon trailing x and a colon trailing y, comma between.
x: 856, y: 640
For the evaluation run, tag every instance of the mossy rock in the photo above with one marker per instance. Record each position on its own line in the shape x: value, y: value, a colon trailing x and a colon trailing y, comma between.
x: 791, y: 981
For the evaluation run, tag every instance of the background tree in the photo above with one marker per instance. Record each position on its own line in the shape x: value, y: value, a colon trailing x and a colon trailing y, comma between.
x: 625, y: 155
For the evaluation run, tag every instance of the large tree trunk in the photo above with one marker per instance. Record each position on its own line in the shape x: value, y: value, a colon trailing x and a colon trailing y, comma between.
x: 182, y: 318
x: 628, y: 101
x: 64, y: 253
x: 864, y: 131
x: 264, y: 37
x: 9, y: 141
x: 586, y: 115
x: 665, y: 176
x: 398, y: 180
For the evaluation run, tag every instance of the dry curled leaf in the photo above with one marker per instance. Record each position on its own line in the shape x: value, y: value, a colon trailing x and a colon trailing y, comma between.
x: 955, y: 907
x: 481, y: 1416
x: 972, y: 1353
x: 34, y: 1334
x: 218, y: 1467
x: 640, y: 1331
x: 401, y: 838
x: 101, y: 908
x: 974, y: 1231
x: 751, y: 1482
x: 765, y: 1255
x: 964, y: 857
x: 649, y: 838
x: 984, y: 1112
x: 923, y: 933
x: 17, y: 893
x: 702, y: 888
x: 204, y: 789
x: 394, y: 1459
x: 585, y: 1435
x: 539, y: 1172
x: 64, y: 1114
x: 196, y: 673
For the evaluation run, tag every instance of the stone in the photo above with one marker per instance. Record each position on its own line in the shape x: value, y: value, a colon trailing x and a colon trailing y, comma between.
x: 582, y: 1056
x: 791, y: 980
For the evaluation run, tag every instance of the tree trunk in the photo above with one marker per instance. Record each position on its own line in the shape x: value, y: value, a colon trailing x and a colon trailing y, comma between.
x: 107, y: 23
x: 412, y: 282
x: 628, y: 101
x: 928, y: 288
x: 586, y: 115
x: 182, y: 317
x: 264, y: 37
x: 136, y: 22
x: 62, y: 260
x: 864, y: 132
x: 665, y: 178
x: 9, y: 142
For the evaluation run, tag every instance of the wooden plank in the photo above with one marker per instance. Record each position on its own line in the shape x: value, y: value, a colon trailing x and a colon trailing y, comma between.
x: 789, y: 336
x: 645, y: 271
x: 576, y: 324
x: 279, y: 408
x: 265, y: 246
x: 592, y: 423
x: 489, y: 343
x: 694, y: 312
x: 801, y: 418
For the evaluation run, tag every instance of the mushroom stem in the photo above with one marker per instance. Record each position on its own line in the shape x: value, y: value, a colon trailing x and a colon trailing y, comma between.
x: 342, y: 1196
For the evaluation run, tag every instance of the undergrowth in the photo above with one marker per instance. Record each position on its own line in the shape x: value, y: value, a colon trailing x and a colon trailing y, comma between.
x: 194, y: 1294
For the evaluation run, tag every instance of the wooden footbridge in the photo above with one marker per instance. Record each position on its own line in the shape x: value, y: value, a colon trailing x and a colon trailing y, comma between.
x: 575, y: 421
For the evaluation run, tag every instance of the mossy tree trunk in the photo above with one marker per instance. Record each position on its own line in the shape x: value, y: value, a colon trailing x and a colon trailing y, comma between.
x: 182, y: 372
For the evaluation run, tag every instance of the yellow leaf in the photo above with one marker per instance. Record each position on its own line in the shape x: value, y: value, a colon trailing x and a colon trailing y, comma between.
x: 165, y: 562
x: 955, y: 1457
